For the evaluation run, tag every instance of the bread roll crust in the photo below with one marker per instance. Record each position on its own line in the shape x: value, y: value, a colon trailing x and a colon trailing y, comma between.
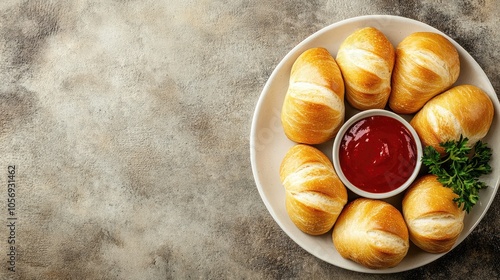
x: 314, y: 195
x: 462, y: 110
x: 434, y: 220
x: 366, y: 59
x: 372, y: 233
x: 313, y: 109
x: 426, y: 64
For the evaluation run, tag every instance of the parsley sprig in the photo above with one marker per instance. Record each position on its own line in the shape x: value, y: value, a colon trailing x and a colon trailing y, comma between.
x: 460, y: 168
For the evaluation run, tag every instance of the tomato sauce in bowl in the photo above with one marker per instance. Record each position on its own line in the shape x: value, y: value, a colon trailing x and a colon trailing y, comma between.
x: 377, y: 154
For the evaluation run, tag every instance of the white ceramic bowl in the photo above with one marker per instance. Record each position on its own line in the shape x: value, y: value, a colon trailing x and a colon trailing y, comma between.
x: 337, y: 146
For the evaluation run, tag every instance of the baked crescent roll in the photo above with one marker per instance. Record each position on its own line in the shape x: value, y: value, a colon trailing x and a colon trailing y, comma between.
x: 372, y: 233
x: 313, y: 109
x: 426, y: 65
x: 462, y: 110
x: 366, y: 60
x: 433, y: 218
x: 315, y: 196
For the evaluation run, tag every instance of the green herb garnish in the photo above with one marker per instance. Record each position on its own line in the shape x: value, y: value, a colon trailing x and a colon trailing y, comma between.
x: 460, y: 168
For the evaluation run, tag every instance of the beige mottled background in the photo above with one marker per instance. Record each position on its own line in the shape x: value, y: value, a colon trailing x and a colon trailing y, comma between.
x: 128, y: 123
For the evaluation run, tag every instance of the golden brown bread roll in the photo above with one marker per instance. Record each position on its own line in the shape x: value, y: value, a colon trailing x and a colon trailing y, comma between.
x: 313, y: 109
x: 462, y: 110
x: 433, y: 218
x: 315, y: 196
x: 372, y: 233
x: 426, y: 65
x: 366, y: 60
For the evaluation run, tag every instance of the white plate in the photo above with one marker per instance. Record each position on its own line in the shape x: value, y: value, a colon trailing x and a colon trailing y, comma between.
x: 268, y: 143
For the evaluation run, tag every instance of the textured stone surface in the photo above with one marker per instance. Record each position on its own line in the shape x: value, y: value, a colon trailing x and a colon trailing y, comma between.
x: 128, y: 123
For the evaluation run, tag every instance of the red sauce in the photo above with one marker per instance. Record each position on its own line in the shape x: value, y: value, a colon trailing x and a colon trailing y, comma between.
x: 378, y: 154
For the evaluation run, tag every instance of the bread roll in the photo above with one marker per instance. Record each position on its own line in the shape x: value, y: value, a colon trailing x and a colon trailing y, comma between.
x: 366, y: 60
x: 462, y: 110
x: 433, y: 218
x: 315, y: 196
x: 426, y: 65
x: 313, y: 109
x: 372, y: 233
